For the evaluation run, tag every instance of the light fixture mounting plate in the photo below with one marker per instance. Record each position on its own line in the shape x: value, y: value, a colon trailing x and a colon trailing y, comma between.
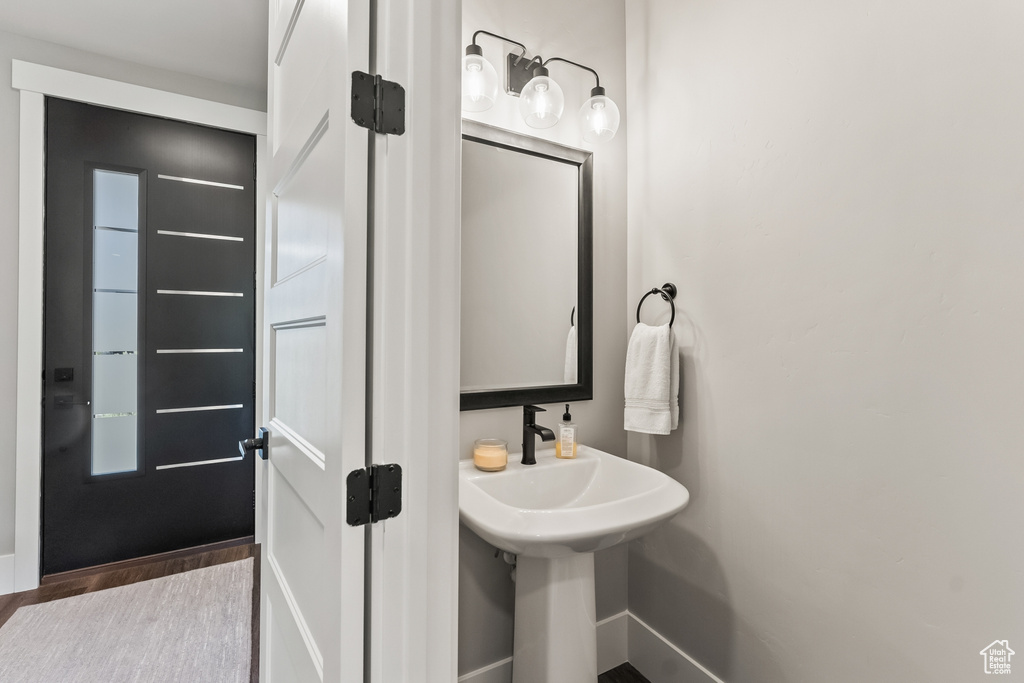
x: 518, y: 72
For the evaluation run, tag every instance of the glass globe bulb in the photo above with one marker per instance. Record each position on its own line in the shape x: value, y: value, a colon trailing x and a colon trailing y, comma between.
x: 599, y: 119
x: 541, y: 103
x: 479, y: 83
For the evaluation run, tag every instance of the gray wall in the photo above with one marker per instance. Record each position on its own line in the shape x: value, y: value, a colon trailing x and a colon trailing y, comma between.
x: 838, y: 190
x: 591, y: 32
x: 18, y: 47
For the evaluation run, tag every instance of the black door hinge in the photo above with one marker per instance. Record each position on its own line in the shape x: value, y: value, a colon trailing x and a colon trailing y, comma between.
x: 374, y: 494
x: 378, y: 104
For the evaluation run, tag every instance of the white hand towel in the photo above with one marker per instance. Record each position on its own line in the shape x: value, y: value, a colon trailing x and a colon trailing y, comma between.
x: 652, y: 380
x: 570, y: 356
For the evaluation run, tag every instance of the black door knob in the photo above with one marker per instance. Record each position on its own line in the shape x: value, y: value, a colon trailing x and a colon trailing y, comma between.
x: 261, y: 444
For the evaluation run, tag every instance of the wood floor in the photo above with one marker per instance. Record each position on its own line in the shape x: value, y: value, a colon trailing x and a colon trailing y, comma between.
x: 624, y: 673
x: 68, y: 584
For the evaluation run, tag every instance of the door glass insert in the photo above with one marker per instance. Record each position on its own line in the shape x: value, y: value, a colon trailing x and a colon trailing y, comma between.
x: 115, y: 279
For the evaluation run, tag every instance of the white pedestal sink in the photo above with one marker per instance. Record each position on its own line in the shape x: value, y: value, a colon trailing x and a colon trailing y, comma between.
x: 554, y: 515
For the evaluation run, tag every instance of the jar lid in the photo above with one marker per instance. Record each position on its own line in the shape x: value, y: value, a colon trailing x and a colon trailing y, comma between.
x: 490, y: 443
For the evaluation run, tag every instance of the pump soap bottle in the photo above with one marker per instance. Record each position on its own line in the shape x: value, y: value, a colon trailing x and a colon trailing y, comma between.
x: 565, y: 446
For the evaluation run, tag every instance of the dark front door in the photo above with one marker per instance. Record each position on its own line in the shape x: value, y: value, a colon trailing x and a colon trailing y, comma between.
x: 149, y: 376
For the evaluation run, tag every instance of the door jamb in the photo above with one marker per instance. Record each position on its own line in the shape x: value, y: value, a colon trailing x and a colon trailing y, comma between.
x: 35, y: 82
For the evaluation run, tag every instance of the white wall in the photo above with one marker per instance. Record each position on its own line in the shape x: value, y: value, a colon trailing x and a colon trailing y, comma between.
x: 838, y: 190
x: 591, y: 32
x: 18, y: 47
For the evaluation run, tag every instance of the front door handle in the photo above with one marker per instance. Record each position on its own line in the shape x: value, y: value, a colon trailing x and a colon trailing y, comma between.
x: 261, y: 444
x: 67, y: 400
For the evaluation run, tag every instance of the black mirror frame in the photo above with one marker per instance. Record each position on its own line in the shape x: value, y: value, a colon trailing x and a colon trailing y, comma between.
x: 583, y: 390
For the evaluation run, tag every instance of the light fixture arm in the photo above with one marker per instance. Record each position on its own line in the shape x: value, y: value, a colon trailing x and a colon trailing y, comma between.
x: 598, y: 90
x: 507, y: 40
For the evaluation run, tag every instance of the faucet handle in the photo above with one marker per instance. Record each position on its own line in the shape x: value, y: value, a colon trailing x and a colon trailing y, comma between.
x: 530, y: 411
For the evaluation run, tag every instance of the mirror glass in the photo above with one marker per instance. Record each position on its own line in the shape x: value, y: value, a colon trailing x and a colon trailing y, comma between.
x: 526, y: 261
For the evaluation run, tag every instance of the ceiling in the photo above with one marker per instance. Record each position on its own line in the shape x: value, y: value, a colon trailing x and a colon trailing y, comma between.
x: 223, y: 40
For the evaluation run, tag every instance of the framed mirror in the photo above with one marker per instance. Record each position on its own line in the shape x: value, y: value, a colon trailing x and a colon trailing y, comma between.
x: 527, y: 270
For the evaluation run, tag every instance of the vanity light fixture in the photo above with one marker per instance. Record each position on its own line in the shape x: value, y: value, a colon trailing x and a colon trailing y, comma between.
x: 541, y: 100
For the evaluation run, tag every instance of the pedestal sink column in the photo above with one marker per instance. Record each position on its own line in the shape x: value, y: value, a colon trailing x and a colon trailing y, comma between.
x: 556, y: 620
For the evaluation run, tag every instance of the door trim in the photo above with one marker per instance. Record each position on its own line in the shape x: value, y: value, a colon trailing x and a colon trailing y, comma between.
x: 36, y: 82
x: 413, y: 573
x: 71, y: 85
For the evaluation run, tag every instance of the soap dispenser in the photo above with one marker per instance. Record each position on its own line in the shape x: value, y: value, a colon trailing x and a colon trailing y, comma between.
x: 565, y: 446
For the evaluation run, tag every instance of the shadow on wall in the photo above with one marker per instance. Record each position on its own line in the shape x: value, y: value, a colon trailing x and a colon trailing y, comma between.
x: 486, y: 604
x: 677, y: 584
x: 678, y: 588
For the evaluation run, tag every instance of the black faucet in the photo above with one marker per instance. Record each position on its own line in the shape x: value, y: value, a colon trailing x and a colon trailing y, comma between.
x: 531, y: 428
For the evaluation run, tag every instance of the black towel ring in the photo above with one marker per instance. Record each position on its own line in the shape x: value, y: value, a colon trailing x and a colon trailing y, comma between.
x: 668, y: 293
x: 572, y: 317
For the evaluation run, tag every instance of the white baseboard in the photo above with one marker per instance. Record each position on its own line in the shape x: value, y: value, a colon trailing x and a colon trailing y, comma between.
x: 6, y: 574
x: 660, y: 661
x: 622, y: 638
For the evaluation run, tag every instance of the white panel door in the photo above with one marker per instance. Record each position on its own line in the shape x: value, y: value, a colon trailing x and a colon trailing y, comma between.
x: 315, y: 344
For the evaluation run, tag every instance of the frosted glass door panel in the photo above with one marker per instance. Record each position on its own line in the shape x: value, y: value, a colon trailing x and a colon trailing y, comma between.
x: 116, y: 199
x: 114, y: 381
x: 114, y: 446
x: 116, y: 264
x: 115, y: 389
x: 115, y: 319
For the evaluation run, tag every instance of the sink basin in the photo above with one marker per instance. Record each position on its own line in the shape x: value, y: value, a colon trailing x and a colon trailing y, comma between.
x: 559, y: 507
x: 553, y: 516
